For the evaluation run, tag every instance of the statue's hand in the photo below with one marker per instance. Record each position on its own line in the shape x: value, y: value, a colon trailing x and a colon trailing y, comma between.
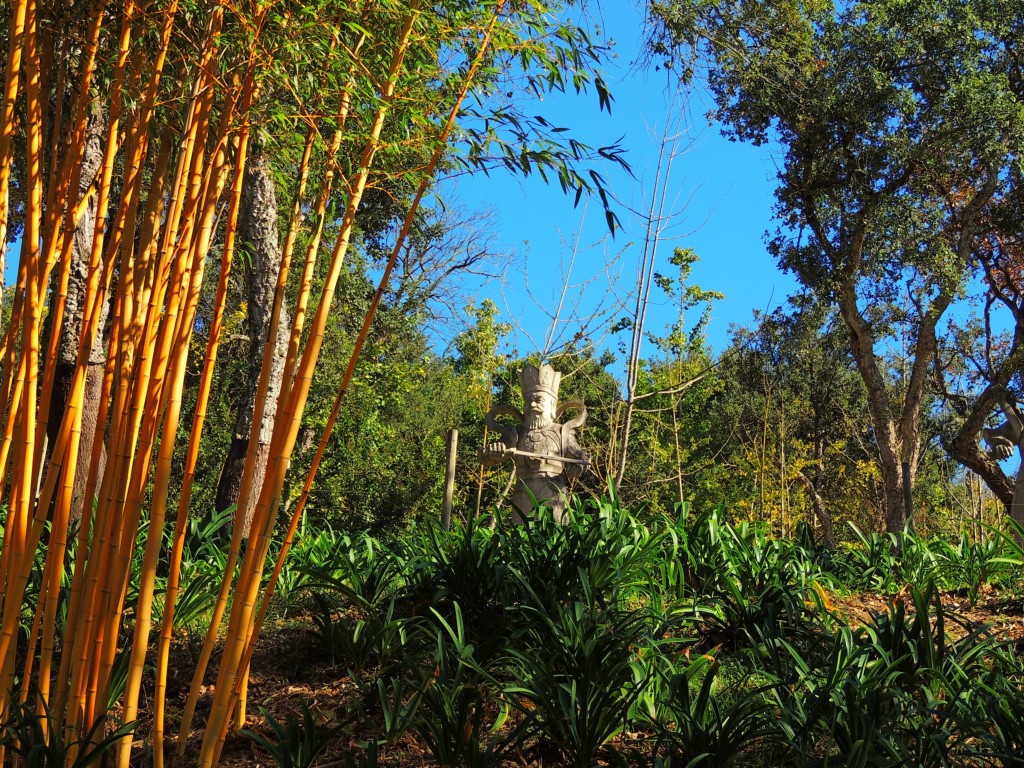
x: 495, y: 452
x: 1001, y: 451
x: 575, y: 471
x: 999, y: 447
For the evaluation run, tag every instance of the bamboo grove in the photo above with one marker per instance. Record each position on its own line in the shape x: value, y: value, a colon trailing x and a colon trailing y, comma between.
x: 126, y: 127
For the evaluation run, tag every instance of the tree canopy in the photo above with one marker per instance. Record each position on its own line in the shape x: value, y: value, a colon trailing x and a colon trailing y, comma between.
x: 901, y: 127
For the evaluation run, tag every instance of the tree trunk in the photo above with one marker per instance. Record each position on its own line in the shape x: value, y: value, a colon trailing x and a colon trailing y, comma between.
x: 71, y: 326
x: 964, y: 449
x: 821, y: 514
x: 258, y: 237
x: 898, y: 438
x: 449, y: 479
x: 892, y: 487
x: 862, y: 344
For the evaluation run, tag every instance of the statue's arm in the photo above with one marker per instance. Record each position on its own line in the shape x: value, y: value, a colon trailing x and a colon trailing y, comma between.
x: 999, y: 441
x: 497, y: 451
x: 571, y: 449
x: 1002, y: 440
x: 1013, y: 421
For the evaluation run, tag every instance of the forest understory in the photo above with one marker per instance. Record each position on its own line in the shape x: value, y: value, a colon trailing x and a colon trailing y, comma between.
x: 624, y: 640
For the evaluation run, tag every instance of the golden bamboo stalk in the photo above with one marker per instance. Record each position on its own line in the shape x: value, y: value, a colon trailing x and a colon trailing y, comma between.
x: 286, y: 426
x: 177, y: 547
x: 129, y: 269
x: 248, y: 472
x: 174, y: 335
x: 234, y: 547
x: 22, y: 548
x: 11, y: 387
x: 319, y: 216
x: 139, y: 440
x: 239, y: 685
x: 16, y: 35
x: 71, y: 425
x: 164, y: 459
x: 161, y: 487
x: 64, y: 183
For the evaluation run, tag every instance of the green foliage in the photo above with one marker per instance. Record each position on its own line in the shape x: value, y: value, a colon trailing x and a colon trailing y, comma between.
x: 886, y: 562
x: 359, y: 568
x: 870, y: 564
x: 601, y: 553
x: 897, y: 690
x: 309, y: 553
x: 385, y: 461
x: 973, y: 564
x: 465, y: 567
x: 203, y: 559
x: 365, y: 633
x: 462, y: 706
x: 790, y: 415
x: 298, y: 742
x: 362, y: 642
x: 39, y: 742
x: 704, y: 729
x: 579, y: 674
x: 397, y: 699
x: 745, y: 587
x: 677, y: 641
x: 477, y: 349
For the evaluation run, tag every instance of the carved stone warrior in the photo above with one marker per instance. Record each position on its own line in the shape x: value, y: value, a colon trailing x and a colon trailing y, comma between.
x: 1002, y: 441
x: 546, y: 453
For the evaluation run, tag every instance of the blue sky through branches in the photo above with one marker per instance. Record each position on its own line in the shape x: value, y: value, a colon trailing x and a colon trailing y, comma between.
x: 720, y: 191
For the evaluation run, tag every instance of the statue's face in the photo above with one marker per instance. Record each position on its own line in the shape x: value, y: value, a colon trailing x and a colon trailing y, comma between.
x: 540, y: 408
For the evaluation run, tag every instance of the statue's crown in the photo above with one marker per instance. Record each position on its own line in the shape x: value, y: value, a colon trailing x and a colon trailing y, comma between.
x: 545, y: 379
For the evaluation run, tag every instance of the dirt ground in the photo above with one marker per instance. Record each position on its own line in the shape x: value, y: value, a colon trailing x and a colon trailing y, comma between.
x: 1003, y: 617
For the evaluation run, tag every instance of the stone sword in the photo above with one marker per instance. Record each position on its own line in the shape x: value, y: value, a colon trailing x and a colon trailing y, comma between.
x: 531, y: 455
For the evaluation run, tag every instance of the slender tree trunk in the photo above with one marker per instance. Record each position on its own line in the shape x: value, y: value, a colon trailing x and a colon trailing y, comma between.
x: 655, y: 221
x: 821, y: 514
x: 897, y: 438
x: 783, y: 483
x: 679, y: 452
x: 71, y: 326
x: 449, y: 479
x: 763, y: 463
x: 258, y: 235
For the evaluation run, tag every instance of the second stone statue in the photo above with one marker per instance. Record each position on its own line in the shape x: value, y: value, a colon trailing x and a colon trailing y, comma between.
x: 546, y: 453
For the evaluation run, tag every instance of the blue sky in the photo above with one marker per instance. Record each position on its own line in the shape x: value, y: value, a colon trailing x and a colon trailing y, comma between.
x: 722, y: 191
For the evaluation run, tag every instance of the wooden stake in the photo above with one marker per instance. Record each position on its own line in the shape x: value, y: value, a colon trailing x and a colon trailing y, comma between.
x: 449, y: 479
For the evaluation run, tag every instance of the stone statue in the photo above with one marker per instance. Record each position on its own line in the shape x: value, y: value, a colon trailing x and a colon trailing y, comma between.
x: 1002, y: 441
x: 546, y: 453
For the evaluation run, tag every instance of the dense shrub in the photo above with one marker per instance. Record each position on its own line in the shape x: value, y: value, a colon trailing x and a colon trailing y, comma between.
x: 664, y: 642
